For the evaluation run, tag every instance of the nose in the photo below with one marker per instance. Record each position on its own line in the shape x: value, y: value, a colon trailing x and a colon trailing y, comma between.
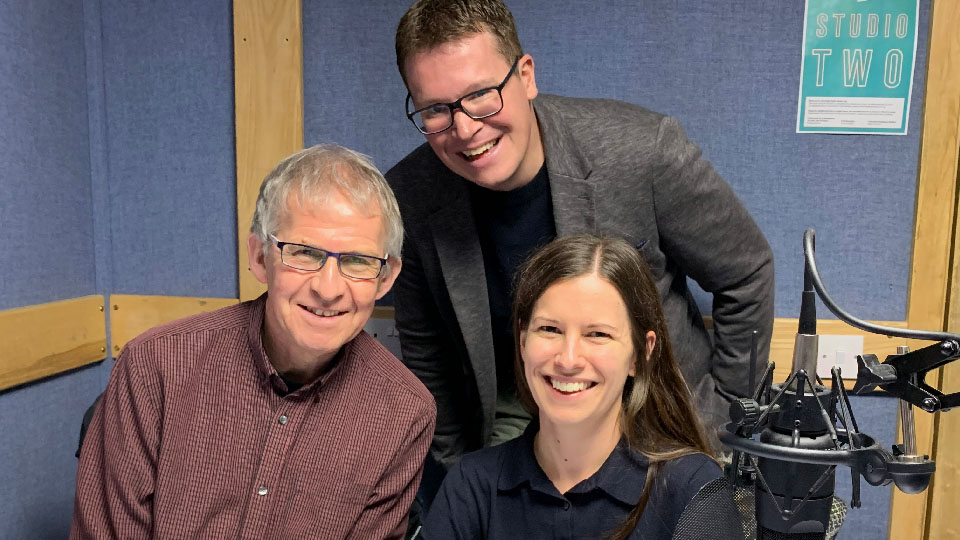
x: 463, y: 125
x: 327, y: 282
x: 570, y: 359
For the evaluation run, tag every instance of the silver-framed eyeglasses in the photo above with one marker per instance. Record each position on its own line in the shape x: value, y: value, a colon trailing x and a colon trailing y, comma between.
x: 477, y: 104
x: 311, y: 259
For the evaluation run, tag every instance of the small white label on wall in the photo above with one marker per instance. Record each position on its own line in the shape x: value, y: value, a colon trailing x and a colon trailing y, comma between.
x: 838, y: 351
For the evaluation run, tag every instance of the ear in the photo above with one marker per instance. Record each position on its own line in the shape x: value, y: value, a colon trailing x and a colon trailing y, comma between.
x: 523, y: 342
x: 526, y: 70
x: 651, y: 342
x: 392, y: 271
x: 256, y: 258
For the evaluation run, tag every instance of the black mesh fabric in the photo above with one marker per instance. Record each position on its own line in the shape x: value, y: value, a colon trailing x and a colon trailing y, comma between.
x: 720, y: 511
x: 715, y: 513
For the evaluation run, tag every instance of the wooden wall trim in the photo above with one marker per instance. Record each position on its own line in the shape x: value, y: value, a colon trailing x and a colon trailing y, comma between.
x: 936, y: 266
x: 933, y: 244
x: 268, y: 79
x: 131, y: 315
x: 785, y: 332
x: 46, y: 339
x: 946, y: 481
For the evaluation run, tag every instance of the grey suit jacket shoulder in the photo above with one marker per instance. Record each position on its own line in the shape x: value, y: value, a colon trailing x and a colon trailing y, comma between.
x: 614, y: 168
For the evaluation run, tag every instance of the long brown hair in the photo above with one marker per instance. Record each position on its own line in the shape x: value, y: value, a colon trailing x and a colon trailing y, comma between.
x: 657, y: 417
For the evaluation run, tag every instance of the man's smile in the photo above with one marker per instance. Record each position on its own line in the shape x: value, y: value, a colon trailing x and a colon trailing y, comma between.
x: 323, y: 312
x: 477, y: 153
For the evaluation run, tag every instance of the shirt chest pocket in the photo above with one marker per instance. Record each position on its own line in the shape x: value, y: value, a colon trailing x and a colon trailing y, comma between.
x: 322, y: 506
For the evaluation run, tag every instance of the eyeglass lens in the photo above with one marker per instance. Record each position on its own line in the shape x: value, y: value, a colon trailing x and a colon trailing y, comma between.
x: 312, y: 259
x: 479, y: 104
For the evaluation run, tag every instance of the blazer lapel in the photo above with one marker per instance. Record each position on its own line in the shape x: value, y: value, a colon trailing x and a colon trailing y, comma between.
x: 574, y: 211
x: 461, y: 262
x: 574, y: 208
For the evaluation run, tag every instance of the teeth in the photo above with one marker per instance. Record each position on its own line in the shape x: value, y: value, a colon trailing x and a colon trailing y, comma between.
x: 477, y: 151
x: 322, y: 313
x: 568, y: 386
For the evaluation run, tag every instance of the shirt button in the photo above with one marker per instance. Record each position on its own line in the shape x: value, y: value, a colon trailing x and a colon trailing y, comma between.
x: 282, y: 419
x: 566, y: 505
x: 262, y: 490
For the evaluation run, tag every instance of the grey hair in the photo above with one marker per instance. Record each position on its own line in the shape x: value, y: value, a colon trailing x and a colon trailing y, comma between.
x: 318, y: 173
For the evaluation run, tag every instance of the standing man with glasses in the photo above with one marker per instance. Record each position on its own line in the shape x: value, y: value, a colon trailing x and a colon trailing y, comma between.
x: 279, y: 417
x: 504, y: 170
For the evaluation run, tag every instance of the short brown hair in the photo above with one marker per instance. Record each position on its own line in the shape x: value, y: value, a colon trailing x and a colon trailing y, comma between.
x: 430, y: 23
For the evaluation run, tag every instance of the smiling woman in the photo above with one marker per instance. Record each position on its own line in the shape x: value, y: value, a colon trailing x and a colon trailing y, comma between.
x: 577, y: 353
x: 616, y: 449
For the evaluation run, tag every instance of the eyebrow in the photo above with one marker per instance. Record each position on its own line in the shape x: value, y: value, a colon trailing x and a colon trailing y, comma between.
x: 542, y: 319
x: 340, y: 252
x: 471, y: 89
x: 603, y: 326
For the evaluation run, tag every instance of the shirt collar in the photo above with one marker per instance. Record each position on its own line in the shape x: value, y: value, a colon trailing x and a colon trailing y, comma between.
x: 268, y: 373
x: 524, y: 469
x: 621, y: 476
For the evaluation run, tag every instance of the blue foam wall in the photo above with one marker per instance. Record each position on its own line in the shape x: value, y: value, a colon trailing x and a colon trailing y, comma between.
x: 352, y: 93
x: 41, y: 427
x: 46, y: 213
x: 876, y: 416
x: 171, y: 167
x: 45, y: 194
x: 117, y: 146
x: 728, y: 70
x: 48, y: 245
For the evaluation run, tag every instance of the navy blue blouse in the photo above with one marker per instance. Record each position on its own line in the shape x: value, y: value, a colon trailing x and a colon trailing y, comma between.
x: 502, y: 493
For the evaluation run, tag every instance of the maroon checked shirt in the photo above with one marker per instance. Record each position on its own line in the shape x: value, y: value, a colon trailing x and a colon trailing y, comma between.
x: 195, y: 438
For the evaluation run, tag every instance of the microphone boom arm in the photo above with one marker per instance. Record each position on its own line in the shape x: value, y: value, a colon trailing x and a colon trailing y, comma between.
x: 788, y: 438
x: 901, y: 375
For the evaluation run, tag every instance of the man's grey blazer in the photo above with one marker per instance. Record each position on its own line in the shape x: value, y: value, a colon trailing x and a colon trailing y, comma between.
x: 613, y: 168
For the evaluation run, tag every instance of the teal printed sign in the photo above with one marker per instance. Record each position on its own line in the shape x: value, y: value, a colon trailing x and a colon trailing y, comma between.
x: 857, y: 69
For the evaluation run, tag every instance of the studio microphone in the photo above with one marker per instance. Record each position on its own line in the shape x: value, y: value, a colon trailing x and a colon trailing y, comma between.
x: 794, y: 501
x: 788, y: 438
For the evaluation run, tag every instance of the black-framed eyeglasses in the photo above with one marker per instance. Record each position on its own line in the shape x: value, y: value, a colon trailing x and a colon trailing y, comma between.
x: 477, y: 104
x: 311, y: 259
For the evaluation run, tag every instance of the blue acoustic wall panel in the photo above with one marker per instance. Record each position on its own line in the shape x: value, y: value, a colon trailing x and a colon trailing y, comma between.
x: 46, y: 215
x: 876, y: 415
x: 168, y: 93
x: 352, y: 92
x: 45, y: 197
x: 41, y: 427
x: 729, y: 71
x: 118, y: 159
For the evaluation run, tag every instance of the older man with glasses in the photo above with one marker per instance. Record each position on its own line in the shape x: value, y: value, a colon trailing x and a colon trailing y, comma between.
x: 504, y: 170
x: 279, y: 417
